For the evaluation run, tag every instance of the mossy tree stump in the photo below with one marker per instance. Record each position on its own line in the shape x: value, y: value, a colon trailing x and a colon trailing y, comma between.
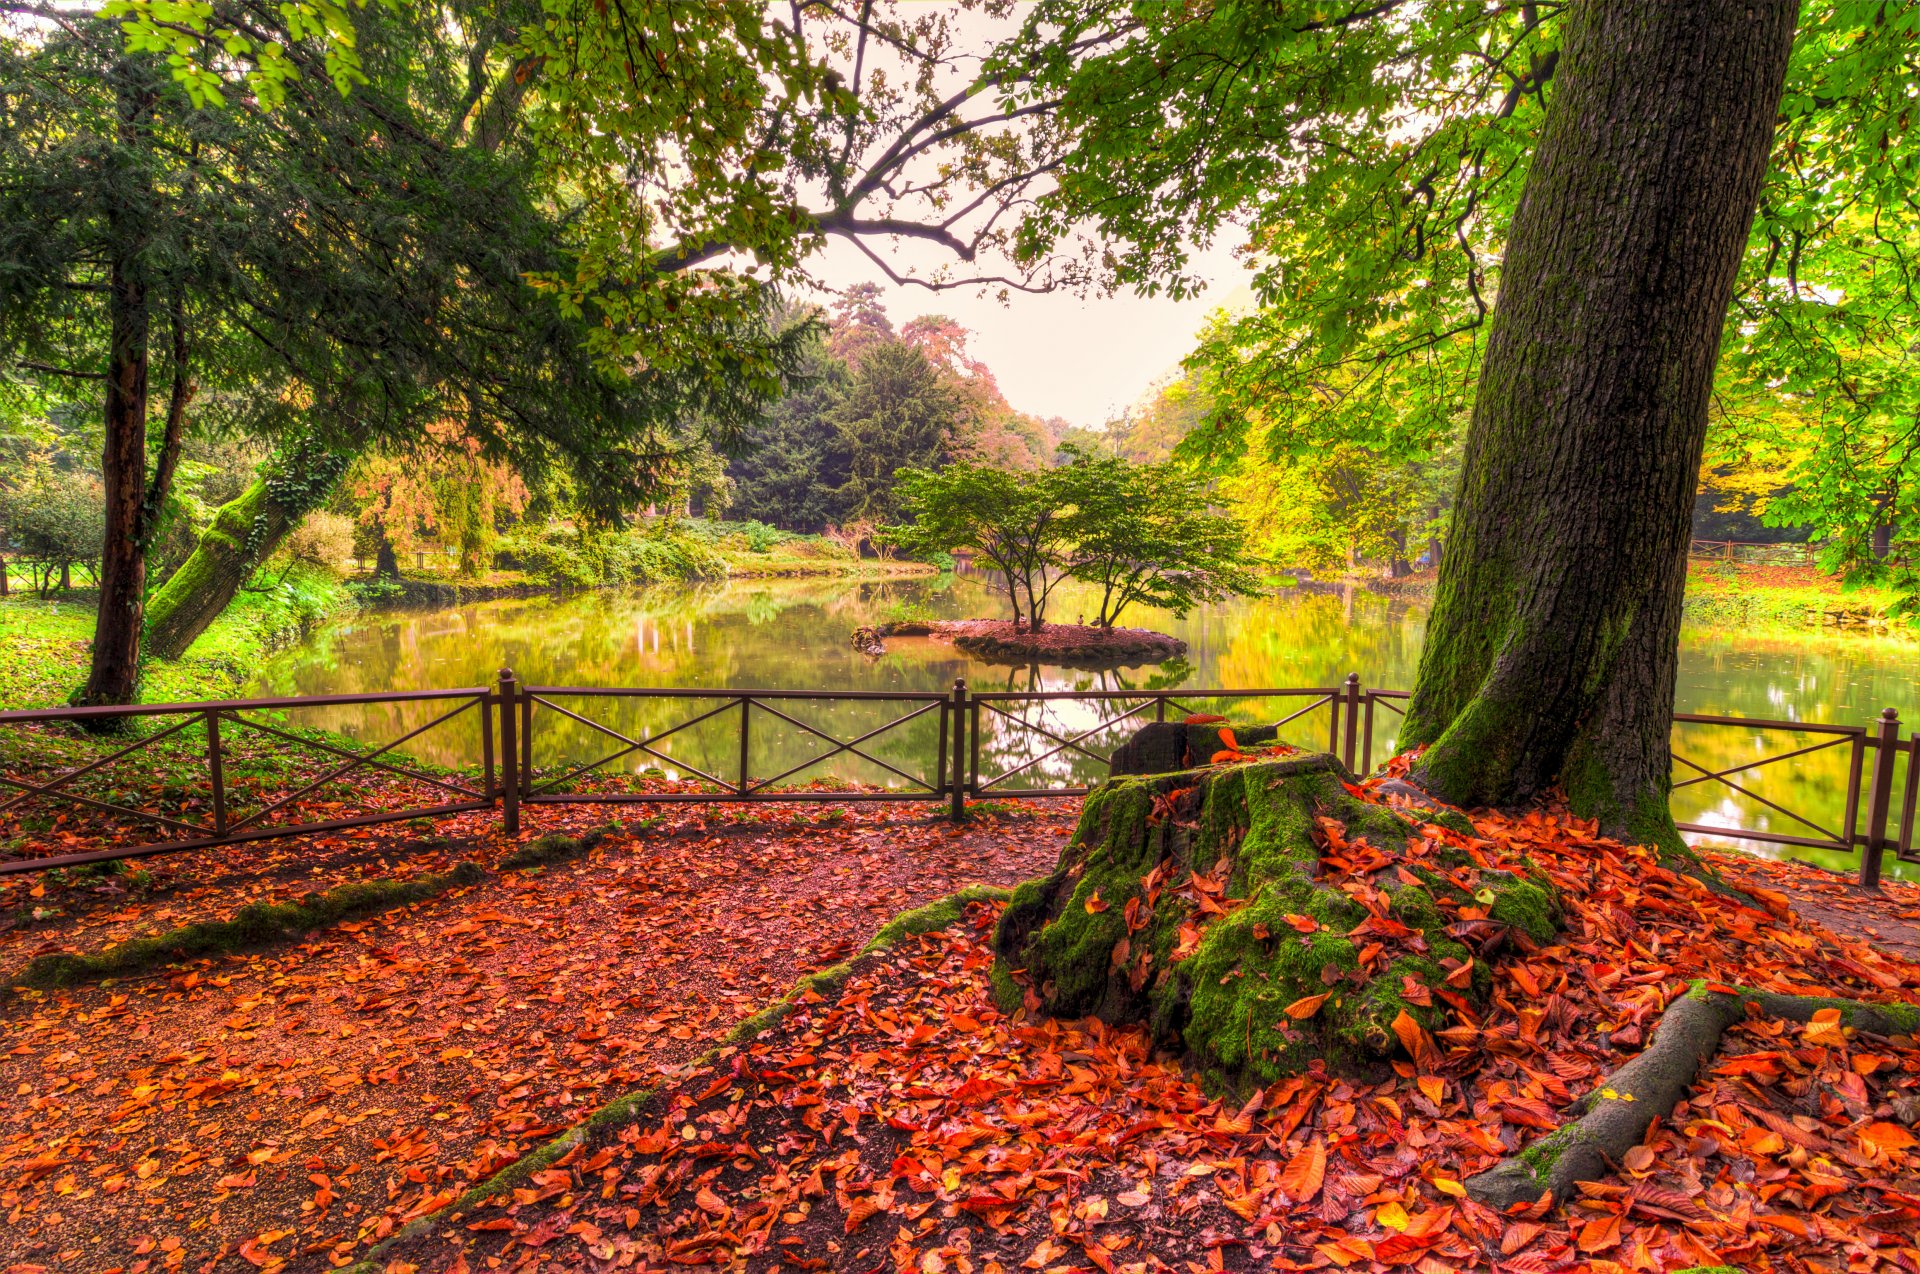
x: 1259, y: 916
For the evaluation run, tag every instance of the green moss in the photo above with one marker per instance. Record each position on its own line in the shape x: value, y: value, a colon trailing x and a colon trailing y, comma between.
x: 1224, y: 998
x: 1008, y: 996
x: 1527, y: 907
x: 253, y: 926
x: 556, y: 847
x: 936, y: 915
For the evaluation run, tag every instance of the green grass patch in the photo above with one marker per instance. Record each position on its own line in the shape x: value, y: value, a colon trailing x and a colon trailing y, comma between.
x: 255, y: 925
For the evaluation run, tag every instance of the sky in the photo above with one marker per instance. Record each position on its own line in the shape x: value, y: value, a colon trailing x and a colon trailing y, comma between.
x: 1082, y: 357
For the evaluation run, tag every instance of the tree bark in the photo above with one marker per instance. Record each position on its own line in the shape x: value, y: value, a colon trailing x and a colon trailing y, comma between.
x: 114, y: 675
x: 385, y: 564
x: 1551, y: 653
x: 244, y: 532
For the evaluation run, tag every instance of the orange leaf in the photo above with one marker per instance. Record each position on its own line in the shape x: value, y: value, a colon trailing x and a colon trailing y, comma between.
x: 1305, y: 1171
x: 1204, y: 718
x: 1599, y: 1235
x: 1302, y: 1009
x: 1227, y: 740
x: 1887, y: 1137
x: 1305, y: 924
x: 1412, y: 1037
x: 1095, y: 904
x: 858, y: 1211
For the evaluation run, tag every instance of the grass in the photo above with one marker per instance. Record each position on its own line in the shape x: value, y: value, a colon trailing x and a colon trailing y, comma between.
x: 44, y: 644
x: 1743, y: 595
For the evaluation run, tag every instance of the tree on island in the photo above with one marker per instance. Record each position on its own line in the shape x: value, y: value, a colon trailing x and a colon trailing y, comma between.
x: 1011, y: 519
x: 1138, y: 533
x: 1145, y: 533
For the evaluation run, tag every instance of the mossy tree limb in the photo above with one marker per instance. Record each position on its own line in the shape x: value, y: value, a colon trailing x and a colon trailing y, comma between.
x: 1196, y: 902
x: 1615, y: 1116
x: 1550, y: 655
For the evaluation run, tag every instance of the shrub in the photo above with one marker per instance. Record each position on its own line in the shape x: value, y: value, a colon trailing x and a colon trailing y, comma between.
x: 58, y: 519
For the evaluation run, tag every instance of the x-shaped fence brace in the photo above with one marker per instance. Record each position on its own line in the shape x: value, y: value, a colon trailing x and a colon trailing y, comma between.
x: 59, y: 788
x: 1704, y: 775
x: 746, y: 785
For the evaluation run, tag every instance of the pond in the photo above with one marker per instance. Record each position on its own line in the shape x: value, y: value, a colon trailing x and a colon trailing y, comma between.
x: 793, y: 634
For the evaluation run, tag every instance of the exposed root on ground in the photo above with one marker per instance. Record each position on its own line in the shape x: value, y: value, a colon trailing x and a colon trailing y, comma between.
x: 1615, y: 1116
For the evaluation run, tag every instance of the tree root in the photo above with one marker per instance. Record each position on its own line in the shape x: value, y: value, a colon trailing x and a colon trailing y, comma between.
x: 1614, y: 1117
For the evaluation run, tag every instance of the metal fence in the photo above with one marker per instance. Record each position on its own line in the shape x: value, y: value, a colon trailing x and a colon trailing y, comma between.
x: 559, y: 745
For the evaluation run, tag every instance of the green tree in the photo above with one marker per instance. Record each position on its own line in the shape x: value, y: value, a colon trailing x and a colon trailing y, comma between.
x: 1145, y: 533
x: 346, y: 269
x: 1011, y: 520
x: 1378, y: 155
x: 897, y: 414
x: 56, y: 518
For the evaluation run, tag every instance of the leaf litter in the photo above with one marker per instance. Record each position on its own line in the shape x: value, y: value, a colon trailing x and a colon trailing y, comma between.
x: 288, y: 1108
x: 906, y: 1123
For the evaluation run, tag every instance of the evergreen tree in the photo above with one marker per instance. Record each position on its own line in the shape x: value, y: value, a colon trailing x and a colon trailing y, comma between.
x: 898, y: 413
x: 357, y: 266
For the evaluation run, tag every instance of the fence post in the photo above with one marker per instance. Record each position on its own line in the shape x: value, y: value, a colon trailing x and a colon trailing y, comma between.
x: 1886, y: 739
x: 1352, y: 686
x: 957, y: 797
x: 1366, y: 739
x: 217, y: 772
x: 509, y: 754
x: 746, y: 715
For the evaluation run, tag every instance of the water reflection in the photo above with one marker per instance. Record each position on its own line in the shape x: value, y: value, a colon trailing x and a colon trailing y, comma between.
x: 793, y: 634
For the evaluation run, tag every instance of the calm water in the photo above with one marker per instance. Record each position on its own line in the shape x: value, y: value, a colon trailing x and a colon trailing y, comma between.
x: 792, y: 634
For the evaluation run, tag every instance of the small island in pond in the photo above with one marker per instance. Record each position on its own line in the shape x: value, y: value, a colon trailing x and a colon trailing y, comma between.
x: 1136, y: 533
x: 1002, y: 641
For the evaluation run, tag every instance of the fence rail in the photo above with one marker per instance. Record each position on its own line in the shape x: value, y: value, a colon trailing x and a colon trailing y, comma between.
x: 958, y: 744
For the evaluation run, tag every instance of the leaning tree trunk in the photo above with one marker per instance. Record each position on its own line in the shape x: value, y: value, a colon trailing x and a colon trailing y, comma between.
x: 1551, y: 653
x: 244, y: 532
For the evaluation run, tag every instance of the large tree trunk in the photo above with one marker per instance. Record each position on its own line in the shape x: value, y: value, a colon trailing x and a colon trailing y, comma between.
x: 223, y: 560
x: 1551, y: 653
x: 114, y: 676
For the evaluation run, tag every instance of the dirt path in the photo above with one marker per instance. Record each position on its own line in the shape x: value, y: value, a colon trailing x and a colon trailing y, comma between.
x: 284, y: 1109
x: 1887, y: 918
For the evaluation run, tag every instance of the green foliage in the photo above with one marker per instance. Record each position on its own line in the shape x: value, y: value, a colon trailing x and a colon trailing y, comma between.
x: 566, y: 557
x: 1145, y: 533
x: 1012, y: 520
x: 55, y: 518
x: 1140, y: 533
x: 897, y: 414
x: 1375, y: 157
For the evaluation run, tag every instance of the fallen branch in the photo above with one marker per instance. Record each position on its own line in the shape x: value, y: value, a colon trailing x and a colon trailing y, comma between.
x: 1615, y: 1116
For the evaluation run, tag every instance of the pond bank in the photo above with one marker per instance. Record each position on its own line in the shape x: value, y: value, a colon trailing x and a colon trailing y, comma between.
x: 1737, y: 595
